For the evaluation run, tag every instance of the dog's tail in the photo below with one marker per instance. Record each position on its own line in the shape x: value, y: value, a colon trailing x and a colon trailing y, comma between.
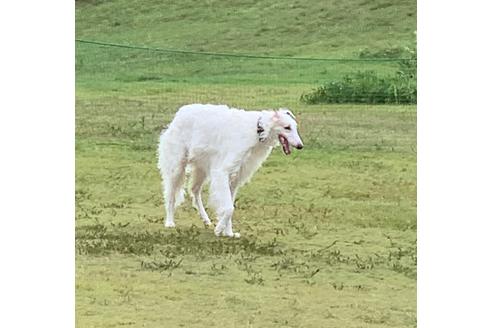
x: 161, y: 151
x: 167, y: 167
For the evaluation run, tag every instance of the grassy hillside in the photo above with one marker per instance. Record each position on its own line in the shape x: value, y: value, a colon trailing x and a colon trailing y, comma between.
x: 330, y: 29
x: 328, y: 234
x: 327, y: 28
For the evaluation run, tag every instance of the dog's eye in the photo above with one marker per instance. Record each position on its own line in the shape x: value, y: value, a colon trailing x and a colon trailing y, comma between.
x: 287, y: 128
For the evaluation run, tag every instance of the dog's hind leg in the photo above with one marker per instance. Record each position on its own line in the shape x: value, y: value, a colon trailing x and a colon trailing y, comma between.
x: 198, y: 179
x: 172, y: 187
x: 222, y: 200
x: 172, y: 165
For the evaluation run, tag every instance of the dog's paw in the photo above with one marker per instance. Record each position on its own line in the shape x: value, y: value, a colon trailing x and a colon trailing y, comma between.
x: 232, y: 234
x: 219, y: 230
x: 169, y: 224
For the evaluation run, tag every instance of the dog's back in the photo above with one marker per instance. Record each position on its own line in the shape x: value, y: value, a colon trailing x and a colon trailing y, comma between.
x: 192, y: 117
x: 211, y: 129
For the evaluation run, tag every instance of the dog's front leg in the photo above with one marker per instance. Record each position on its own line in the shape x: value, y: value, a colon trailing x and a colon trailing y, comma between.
x: 221, y: 195
x: 224, y: 226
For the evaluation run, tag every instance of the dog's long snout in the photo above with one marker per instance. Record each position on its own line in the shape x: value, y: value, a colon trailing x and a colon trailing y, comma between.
x: 299, y: 146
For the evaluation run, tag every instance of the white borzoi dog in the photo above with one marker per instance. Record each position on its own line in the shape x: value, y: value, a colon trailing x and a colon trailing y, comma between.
x: 221, y: 144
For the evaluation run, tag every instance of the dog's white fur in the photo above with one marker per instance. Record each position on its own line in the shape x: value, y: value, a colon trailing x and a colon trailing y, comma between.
x: 220, y: 144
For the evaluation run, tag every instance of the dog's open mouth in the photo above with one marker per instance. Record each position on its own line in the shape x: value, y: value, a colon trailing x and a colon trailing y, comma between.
x: 285, y: 144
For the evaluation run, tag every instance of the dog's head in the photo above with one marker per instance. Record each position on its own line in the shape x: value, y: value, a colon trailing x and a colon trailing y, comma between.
x: 284, y: 126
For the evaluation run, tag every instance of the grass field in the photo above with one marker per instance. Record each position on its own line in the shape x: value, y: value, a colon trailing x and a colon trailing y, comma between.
x: 328, y: 235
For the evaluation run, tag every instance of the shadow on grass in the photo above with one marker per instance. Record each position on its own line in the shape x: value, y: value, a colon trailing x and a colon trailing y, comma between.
x: 99, y: 240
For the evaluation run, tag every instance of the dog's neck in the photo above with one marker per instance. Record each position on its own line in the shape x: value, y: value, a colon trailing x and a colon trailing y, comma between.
x: 264, y: 126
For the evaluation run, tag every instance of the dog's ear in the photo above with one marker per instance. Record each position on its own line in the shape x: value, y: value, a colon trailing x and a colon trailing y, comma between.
x: 287, y: 111
x: 275, y: 116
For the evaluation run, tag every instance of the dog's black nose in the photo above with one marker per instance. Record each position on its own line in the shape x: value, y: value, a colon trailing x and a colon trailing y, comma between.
x: 299, y: 146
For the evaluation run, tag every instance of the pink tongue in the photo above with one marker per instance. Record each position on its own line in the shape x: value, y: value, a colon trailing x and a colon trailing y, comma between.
x: 285, y: 144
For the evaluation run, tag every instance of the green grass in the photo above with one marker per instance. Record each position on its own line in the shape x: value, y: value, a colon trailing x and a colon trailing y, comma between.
x: 329, y: 29
x: 328, y: 233
x: 308, y: 28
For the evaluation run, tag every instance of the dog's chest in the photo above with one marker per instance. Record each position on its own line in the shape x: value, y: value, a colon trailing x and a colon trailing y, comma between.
x: 254, y: 158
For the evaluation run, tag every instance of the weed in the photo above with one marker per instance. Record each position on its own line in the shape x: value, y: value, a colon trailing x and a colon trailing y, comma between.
x: 216, y: 269
x: 370, y: 87
x: 337, y: 286
x: 124, y: 294
x: 118, y: 205
x: 283, y: 264
x: 302, y: 228
x: 160, y: 265
x: 313, y: 273
x: 255, y: 278
x: 364, y: 264
x: 82, y: 195
x: 155, y: 219
x: 120, y: 225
